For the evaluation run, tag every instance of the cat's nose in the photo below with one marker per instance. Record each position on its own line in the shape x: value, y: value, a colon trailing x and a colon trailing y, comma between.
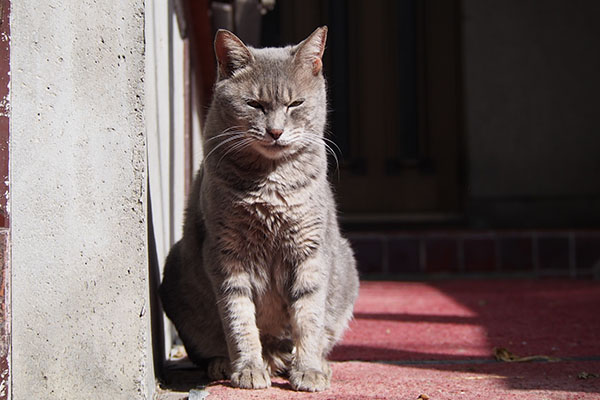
x: 274, y: 133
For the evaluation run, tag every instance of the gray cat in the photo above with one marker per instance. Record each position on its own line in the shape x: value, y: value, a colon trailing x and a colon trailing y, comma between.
x: 262, y: 282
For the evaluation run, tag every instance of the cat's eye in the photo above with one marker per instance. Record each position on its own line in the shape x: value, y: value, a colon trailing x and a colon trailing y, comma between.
x: 255, y: 104
x: 295, y: 103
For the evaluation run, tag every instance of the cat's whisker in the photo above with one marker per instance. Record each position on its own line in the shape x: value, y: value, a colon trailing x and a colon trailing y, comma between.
x: 224, y: 142
x: 256, y: 133
x: 221, y: 136
x: 337, y: 161
x: 237, y: 147
x: 328, y: 141
x: 224, y: 134
x: 333, y: 143
x: 232, y: 130
x: 320, y: 141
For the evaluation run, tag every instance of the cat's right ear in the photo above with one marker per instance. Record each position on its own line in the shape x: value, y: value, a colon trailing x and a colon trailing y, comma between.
x: 310, y: 51
x: 231, y: 53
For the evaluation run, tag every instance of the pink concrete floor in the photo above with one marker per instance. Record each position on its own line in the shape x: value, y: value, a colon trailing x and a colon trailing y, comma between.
x: 437, y: 338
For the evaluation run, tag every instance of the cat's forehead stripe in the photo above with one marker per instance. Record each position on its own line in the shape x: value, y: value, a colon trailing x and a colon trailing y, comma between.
x: 275, y: 89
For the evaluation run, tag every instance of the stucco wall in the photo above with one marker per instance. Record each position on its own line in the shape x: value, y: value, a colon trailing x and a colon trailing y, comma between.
x: 78, y: 188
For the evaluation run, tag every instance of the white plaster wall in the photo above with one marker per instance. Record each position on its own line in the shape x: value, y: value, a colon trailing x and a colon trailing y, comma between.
x: 165, y: 123
x: 80, y: 309
x: 165, y: 110
x: 158, y: 119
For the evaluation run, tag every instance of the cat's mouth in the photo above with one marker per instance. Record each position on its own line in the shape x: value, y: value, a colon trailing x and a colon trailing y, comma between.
x: 274, y: 144
x: 273, y: 149
x: 279, y: 145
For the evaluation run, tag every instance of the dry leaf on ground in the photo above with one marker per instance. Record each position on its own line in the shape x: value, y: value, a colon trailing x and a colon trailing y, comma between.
x: 502, y: 354
x: 586, y: 375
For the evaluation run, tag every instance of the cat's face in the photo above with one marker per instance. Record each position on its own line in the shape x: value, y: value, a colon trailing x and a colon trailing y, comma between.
x: 272, y: 100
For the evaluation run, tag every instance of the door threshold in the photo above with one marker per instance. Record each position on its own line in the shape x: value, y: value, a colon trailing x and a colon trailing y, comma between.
x: 396, y: 220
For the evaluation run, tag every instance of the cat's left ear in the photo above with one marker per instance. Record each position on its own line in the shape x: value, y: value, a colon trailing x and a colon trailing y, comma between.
x: 310, y: 51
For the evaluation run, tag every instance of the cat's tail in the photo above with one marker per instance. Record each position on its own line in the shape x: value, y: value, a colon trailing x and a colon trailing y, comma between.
x: 278, y: 354
x: 168, y: 287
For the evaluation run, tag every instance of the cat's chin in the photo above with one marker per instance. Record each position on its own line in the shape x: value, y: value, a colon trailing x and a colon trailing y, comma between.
x: 273, y: 151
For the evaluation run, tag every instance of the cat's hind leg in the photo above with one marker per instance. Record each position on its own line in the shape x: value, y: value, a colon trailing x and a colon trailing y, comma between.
x: 189, y: 303
x: 219, y: 368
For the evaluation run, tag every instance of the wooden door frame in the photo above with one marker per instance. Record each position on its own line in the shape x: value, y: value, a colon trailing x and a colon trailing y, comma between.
x: 5, y: 271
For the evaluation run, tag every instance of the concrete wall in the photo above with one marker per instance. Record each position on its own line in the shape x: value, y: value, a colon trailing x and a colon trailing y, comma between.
x: 532, y: 121
x: 80, y: 309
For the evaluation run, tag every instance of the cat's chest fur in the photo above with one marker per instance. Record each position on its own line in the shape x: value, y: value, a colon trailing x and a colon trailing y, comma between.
x: 276, y: 223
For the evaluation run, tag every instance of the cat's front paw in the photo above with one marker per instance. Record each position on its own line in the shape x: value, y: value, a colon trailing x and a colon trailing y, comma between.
x: 310, y: 380
x: 251, y: 377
